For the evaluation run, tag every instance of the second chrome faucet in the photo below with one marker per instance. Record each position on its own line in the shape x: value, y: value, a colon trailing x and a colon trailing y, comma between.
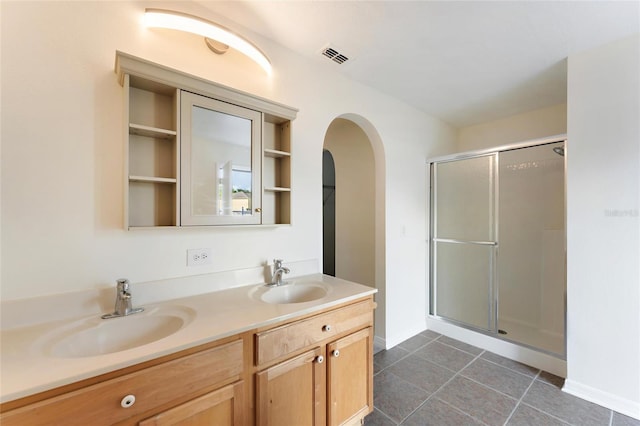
x: 123, y: 301
x: 278, y: 271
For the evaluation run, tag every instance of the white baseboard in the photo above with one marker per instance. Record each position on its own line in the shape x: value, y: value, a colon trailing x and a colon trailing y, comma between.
x: 406, y: 334
x: 605, y: 399
x: 378, y: 344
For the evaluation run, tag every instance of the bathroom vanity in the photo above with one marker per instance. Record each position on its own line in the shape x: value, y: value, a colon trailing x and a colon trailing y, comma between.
x: 288, y: 361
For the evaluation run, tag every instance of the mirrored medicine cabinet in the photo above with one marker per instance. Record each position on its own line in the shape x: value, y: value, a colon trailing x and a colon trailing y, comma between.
x: 201, y: 154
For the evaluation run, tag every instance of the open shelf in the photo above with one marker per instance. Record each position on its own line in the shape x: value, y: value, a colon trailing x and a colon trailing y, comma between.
x: 274, y: 153
x: 152, y: 179
x: 151, y: 132
x: 276, y: 172
x: 276, y: 206
x: 151, y: 204
x: 152, y: 161
x: 277, y: 189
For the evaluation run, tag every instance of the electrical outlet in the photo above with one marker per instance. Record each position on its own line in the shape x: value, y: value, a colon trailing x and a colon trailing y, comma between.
x: 199, y: 257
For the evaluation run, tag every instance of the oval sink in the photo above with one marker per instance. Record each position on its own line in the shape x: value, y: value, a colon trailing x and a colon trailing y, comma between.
x: 294, y: 293
x: 96, y: 336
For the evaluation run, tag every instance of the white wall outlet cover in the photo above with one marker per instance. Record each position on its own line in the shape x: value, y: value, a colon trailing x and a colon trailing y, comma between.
x: 199, y: 257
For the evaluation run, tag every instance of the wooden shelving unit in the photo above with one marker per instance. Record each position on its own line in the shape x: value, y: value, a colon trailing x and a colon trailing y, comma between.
x: 152, y: 154
x: 276, y: 172
x: 153, y: 167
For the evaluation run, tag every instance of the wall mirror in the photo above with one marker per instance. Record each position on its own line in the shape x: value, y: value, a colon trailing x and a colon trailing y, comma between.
x: 220, y: 162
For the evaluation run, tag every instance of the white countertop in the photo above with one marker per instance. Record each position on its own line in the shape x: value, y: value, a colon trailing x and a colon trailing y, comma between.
x: 26, y: 368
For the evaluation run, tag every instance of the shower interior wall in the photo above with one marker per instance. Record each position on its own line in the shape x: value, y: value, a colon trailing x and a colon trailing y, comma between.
x: 531, y: 251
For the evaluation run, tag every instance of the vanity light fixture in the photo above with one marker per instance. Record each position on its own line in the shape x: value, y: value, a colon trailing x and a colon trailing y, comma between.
x: 218, y: 38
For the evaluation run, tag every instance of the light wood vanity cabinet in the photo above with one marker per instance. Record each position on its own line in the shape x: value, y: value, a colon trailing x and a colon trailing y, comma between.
x: 316, y: 370
x: 330, y: 382
x: 191, y: 388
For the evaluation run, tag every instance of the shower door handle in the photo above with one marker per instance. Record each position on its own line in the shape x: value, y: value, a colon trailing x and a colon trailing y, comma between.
x: 454, y: 241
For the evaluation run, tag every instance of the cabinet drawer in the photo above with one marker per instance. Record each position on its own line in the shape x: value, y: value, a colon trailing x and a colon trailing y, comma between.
x: 100, y: 404
x: 220, y: 407
x: 288, y: 338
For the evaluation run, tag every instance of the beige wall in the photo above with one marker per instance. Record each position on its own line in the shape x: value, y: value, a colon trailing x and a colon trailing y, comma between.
x: 534, y: 124
x: 62, y: 156
x: 603, y: 242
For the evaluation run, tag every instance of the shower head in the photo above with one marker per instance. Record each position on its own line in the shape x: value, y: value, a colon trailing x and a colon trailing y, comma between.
x: 559, y: 150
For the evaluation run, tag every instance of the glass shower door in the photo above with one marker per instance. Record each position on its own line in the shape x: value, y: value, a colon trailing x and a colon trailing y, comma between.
x: 531, y: 270
x: 463, y: 245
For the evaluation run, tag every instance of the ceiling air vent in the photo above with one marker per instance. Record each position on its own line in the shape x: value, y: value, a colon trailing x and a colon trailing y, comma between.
x: 333, y: 54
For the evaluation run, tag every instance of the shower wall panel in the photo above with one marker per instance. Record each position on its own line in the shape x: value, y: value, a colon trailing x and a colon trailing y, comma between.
x: 530, y: 273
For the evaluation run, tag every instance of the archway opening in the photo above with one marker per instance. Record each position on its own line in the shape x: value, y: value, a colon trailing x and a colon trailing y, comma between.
x: 354, y: 226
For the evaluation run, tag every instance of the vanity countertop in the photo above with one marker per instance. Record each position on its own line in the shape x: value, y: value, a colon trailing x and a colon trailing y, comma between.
x: 26, y: 368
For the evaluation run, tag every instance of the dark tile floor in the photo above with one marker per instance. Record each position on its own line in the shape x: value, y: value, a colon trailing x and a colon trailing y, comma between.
x: 431, y: 379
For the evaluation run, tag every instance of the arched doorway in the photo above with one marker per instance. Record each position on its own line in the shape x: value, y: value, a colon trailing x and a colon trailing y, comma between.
x: 358, y: 232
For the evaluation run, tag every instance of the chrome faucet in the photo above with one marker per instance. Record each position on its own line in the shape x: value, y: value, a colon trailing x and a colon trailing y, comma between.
x: 278, y: 270
x: 123, y: 301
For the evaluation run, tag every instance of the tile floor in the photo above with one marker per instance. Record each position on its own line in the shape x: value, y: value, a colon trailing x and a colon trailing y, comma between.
x: 431, y: 379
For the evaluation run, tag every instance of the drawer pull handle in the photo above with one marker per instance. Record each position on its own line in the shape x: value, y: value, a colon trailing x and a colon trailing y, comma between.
x: 320, y: 359
x: 336, y: 353
x: 326, y: 328
x: 128, y: 401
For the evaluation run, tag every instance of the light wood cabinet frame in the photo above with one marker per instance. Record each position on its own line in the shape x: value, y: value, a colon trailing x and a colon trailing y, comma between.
x: 223, y: 407
x: 350, y: 377
x: 154, y: 201
x: 100, y: 404
x: 292, y: 392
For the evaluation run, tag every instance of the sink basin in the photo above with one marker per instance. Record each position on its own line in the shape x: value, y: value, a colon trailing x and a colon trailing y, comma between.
x: 296, y: 292
x: 96, y: 336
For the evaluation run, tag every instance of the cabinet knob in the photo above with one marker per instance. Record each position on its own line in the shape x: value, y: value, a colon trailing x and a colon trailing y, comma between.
x: 258, y: 210
x: 320, y: 359
x: 128, y: 401
x: 336, y: 353
x: 326, y: 328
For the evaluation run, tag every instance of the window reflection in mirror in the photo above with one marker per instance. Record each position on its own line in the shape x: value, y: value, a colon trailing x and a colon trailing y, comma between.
x: 221, y: 181
x: 241, y: 190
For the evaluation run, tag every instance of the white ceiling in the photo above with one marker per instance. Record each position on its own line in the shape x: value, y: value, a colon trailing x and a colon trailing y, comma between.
x: 464, y: 62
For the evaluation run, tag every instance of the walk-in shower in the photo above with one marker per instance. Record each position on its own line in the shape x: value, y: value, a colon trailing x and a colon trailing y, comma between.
x: 497, y: 242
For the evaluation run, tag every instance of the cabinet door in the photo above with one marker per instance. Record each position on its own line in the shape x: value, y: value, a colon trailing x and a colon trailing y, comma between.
x: 292, y: 392
x: 350, y: 377
x: 222, y: 407
x: 220, y: 162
